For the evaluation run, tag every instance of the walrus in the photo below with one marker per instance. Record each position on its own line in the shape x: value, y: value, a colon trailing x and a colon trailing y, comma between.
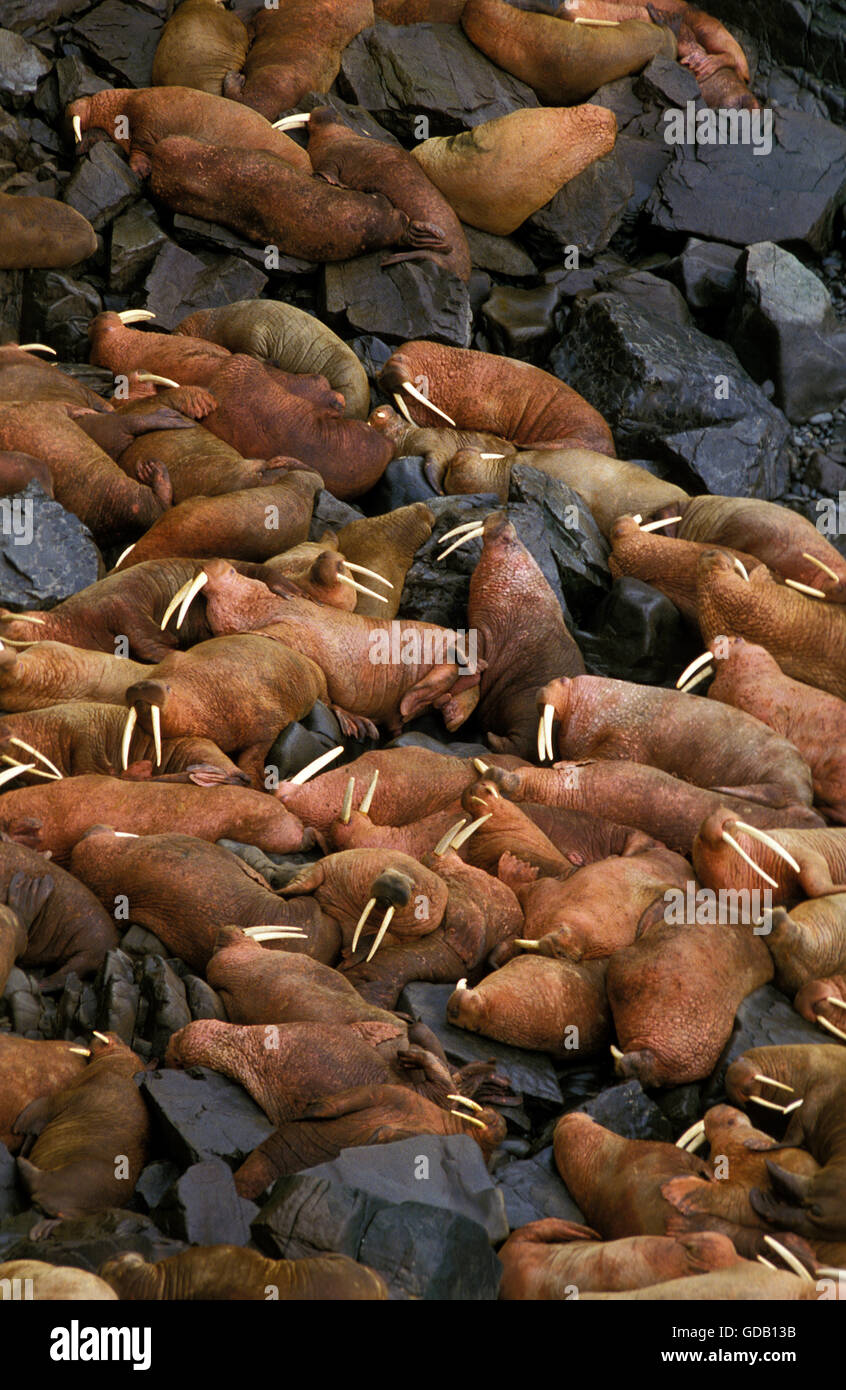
x: 238, y: 1274
x: 42, y: 233
x: 17, y: 470
x: 30, y: 1068
x: 27, y: 378
x: 64, y: 927
x: 722, y: 74
x: 498, y: 173
x: 52, y: 1283
x: 386, y: 545
x: 553, y: 1006
x: 563, y: 63
x: 418, y: 11
x: 796, y: 863
x: 667, y: 563
x: 199, y: 45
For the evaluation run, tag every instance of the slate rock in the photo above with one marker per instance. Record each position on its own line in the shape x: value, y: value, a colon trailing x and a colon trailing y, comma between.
x: 22, y: 67
x: 203, y: 1001
x: 648, y: 292
x: 766, y: 1018
x: 136, y: 239
x: 809, y: 38
x: 636, y: 634
x: 10, y: 1199
x: 74, y: 79
x: 46, y: 553
x: 522, y: 323
x: 666, y: 82
x: 124, y: 37
x: 300, y: 744
x: 181, y: 283
x: 119, y: 996
x: 154, y: 1182
x: 194, y: 231
x: 330, y: 513
x: 30, y: 14
x: 682, y: 1106
x: 203, y: 1207
x: 499, y: 254
x: 645, y: 161
x: 402, y: 483
x: 412, y: 299
x: 167, y: 1002
x: 531, y: 1073
x: 585, y: 213
x: 102, y: 184
x: 578, y: 547
x: 11, y: 304
x: 533, y: 1189
x: 628, y: 1111
x: 86, y: 1242
x: 140, y: 942
x: 59, y: 308
x: 199, y: 1114
x: 706, y: 272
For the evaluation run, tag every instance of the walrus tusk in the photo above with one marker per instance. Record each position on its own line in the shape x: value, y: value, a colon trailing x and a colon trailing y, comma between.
x: 174, y: 604
x: 278, y: 936
x: 829, y: 1270
x: 830, y: 1028
x: 123, y: 554
x: 805, y: 588
x: 788, y: 1256
x: 12, y: 772
x: 597, y: 23
x: 371, y: 903
x: 81, y: 1051
x: 135, y: 315
x: 769, y: 1104
x: 311, y: 769
x: 548, y: 718
x: 290, y: 122
x: 362, y: 569
x: 526, y: 945
x: 156, y: 718
x: 616, y: 1053
x: 656, y: 525
x: 346, y: 809
x: 765, y: 839
x: 794, y: 1106
x: 768, y: 1263
x: 77, y: 129
x: 36, y: 772
x: 839, y: 1003
x: 367, y: 800
x: 22, y: 617
x: 360, y: 588
x: 465, y: 1100
x: 28, y: 748
x: 480, y: 766
x: 695, y: 664
x: 730, y: 840
x: 269, y: 926
x: 446, y: 840
x: 36, y: 347
x: 403, y: 409
x: 456, y: 530
x: 462, y: 983
x: 156, y: 379
x: 481, y: 800
x: 468, y: 1119
x: 492, y: 456
x: 469, y: 830
x: 198, y: 582
x: 101, y: 1037
x: 470, y: 536
x: 541, y: 743
x: 380, y: 935
x: 125, y: 835
x: 424, y: 400
x: 128, y: 727
x: 706, y: 674
x: 805, y: 556
x: 739, y: 565
x: 770, y: 1081
x: 692, y: 1133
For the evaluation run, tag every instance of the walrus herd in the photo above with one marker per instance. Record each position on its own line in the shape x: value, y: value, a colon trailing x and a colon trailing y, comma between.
x: 325, y: 738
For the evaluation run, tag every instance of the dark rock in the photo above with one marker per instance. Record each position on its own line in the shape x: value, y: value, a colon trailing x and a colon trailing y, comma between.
x: 674, y: 393
x: 438, y: 1170
x: 22, y: 66
x: 454, y: 748
x: 140, y: 942
x: 60, y: 308
x: 637, y: 634
x: 102, y: 184
x: 807, y: 38
x: 765, y: 1019
x: 522, y: 323
x: 154, y: 1182
x: 166, y: 1000
x: 728, y: 193
x: 193, y: 231
x: 200, y: 1115
x: 124, y: 36
x: 330, y: 513
x: 403, y: 72
x: 706, y: 274
x: 75, y: 79
x: 421, y: 1251
x: 203, y: 1001
x: 46, y: 554
x: 402, y: 483
x: 86, y: 1242
x: 578, y: 547
x: 203, y: 1208
x: 11, y: 304
x: 533, y: 1190
x: 666, y: 82
x: 499, y: 254
x: 302, y: 742
x: 119, y: 996
x: 785, y: 330
x: 628, y: 1111
x: 181, y: 283
x: 434, y: 592
x: 413, y: 299
x: 682, y: 1106
x: 10, y: 1200
x: 649, y: 293
x: 529, y: 1072
x: 31, y: 14
x: 584, y: 214
x: 136, y: 238
x: 358, y: 118
x: 645, y: 161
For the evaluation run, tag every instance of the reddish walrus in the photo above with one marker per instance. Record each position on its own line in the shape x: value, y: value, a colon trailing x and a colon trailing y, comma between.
x: 552, y: 1006
x: 91, y: 1138
x: 42, y: 233
x: 481, y: 391
x: 239, y: 1274
x: 30, y: 1068
x: 797, y: 864
x: 64, y: 927
x: 199, y: 45
x: 563, y: 63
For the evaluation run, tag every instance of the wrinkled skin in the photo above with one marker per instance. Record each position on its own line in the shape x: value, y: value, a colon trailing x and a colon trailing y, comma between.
x: 749, y: 678
x: 480, y: 391
x: 55, y: 816
x: 550, y: 1259
x: 199, y: 45
x: 821, y: 1002
x: 820, y: 854
x: 437, y: 447
x: 296, y: 50
x: 66, y: 929
x: 239, y: 1274
x: 720, y: 82
x: 674, y: 994
x: 509, y: 832
x: 363, y: 1115
x: 42, y: 233
x: 386, y: 544
x: 564, y: 63
x: 708, y: 744
x: 25, y: 377
x: 536, y: 1002
x: 288, y: 338
x: 419, y: 11
x: 669, y: 565
x: 201, y: 465
x: 809, y: 941
x: 54, y: 673
x: 29, y: 1069
x: 185, y: 891
x: 17, y: 470
x: 524, y: 638
x: 747, y: 1282
x: 70, y: 1170
x: 499, y: 172
x: 55, y: 1283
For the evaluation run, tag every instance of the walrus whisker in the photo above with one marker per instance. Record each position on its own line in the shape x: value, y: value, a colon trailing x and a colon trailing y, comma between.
x: 468, y: 1119
x: 525, y: 944
x: 446, y: 840
x: 135, y: 315
x: 81, y: 1051
x: 838, y: 1003
x: 730, y: 840
x: 36, y: 347
x: 13, y: 762
x: 346, y: 809
x: 830, y: 1028
x: 197, y: 583
x: 464, y: 835
x: 470, y: 536
x: 123, y: 554
x: 403, y: 409
x: 691, y: 1133
x: 156, y: 718
x: 131, y: 720
x: 28, y: 748
x: 788, y: 1256
x: 299, y: 118
x: 695, y: 664
x: 805, y: 588
x: 771, y: 1081
x: 548, y: 720
x: 739, y: 565
x: 76, y: 123
x: 805, y: 556
x: 362, y: 569
x: 371, y: 903
x: 157, y: 380
x: 367, y: 800
x: 465, y: 1100
x: 663, y: 521
x: 311, y: 769
x: 456, y: 530
x: 424, y: 400
x: 15, y: 771
x: 380, y: 935
x: 765, y: 839
x: 360, y: 588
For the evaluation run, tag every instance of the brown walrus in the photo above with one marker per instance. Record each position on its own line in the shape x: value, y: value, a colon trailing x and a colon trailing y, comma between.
x: 199, y: 45
x: 42, y: 233
x: 30, y: 1068
x: 214, y: 1272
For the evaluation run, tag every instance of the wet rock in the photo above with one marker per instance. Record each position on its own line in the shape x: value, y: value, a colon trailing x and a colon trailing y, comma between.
x: 86, y: 1242
x: 421, y: 1251
x: 140, y: 942
x: 75, y: 79
x: 22, y: 67
x: 402, y: 483
x: 437, y: 592
x: 785, y: 330
x: 199, y: 1114
x: 10, y: 1200
x: 31, y: 14
x: 167, y: 1002
x: 727, y: 193
x: 302, y: 742
x: 675, y: 394
x: 46, y: 554
x: 522, y: 323
x: 203, y: 1208
x: 136, y: 238
x: 124, y: 37
x: 358, y: 118
x: 193, y: 231
x: 154, y: 1182
x: 531, y: 1073
x: 682, y: 1106
x: 372, y: 353
x: 499, y: 254
x: 403, y: 72
x: 533, y: 1190
x: 807, y: 38
x: 413, y: 299
x: 628, y: 1111
x: 203, y: 1001
x: 706, y: 274
x: 102, y: 184
x: 584, y: 214
x: 181, y: 283
x: 60, y: 308
x: 637, y: 634
x: 119, y: 996
x: 578, y: 547
x: 258, y: 860
x: 649, y: 293
x: 765, y: 1019
x: 330, y: 513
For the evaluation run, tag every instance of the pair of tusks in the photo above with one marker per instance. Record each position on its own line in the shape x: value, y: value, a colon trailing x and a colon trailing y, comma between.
x: 789, y: 1258
x: 271, y: 933
x: 424, y: 400
x: 380, y: 935
x: 28, y: 748
x: 467, y: 531
x: 128, y: 729
x: 764, y: 839
x: 16, y: 770
x: 366, y: 800
x: 830, y: 1027
x: 780, y: 1086
x: 471, y: 1105
x: 36, y: 347
x: 707, y: 671
x: 184, y: 597
x: 693, y: 1138
x: 459, y: 834
x: 545, y: 722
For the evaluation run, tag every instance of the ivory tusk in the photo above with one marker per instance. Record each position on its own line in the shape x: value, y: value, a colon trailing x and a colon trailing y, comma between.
x: 403, y: 410
x: 464, y: 835
x: 805, y: 588
x: 360, y: 588
x: 28, y: 748
x: 36, y: 347
x: 157, y: 380
x: 446, y: 840
x: 362, y: 569
x: 761, y: 835
x: 77, y: 129
x: 197, y: 583
x: 156, y: 718
x: 424, y: 400
x: 548, y: 719
x: 465, y: 1100
x: 694, y: 666
x: 123, y: 554
x: 684, y: 1139
x: 468, y: 1119
x: 346, y: 809
x: 299, y: 118
x: 367, y: 800
x: 730, y: 840
x: 805, y: 556
x: 770, y: 1081
x: 788, y: 1256
x: 656, y: 525
x: 311, y: 769
x: 380, y: 935
x: 131, y: 720
x: 470, y: 536
x: 135, y: 315
x: 371, y: 903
